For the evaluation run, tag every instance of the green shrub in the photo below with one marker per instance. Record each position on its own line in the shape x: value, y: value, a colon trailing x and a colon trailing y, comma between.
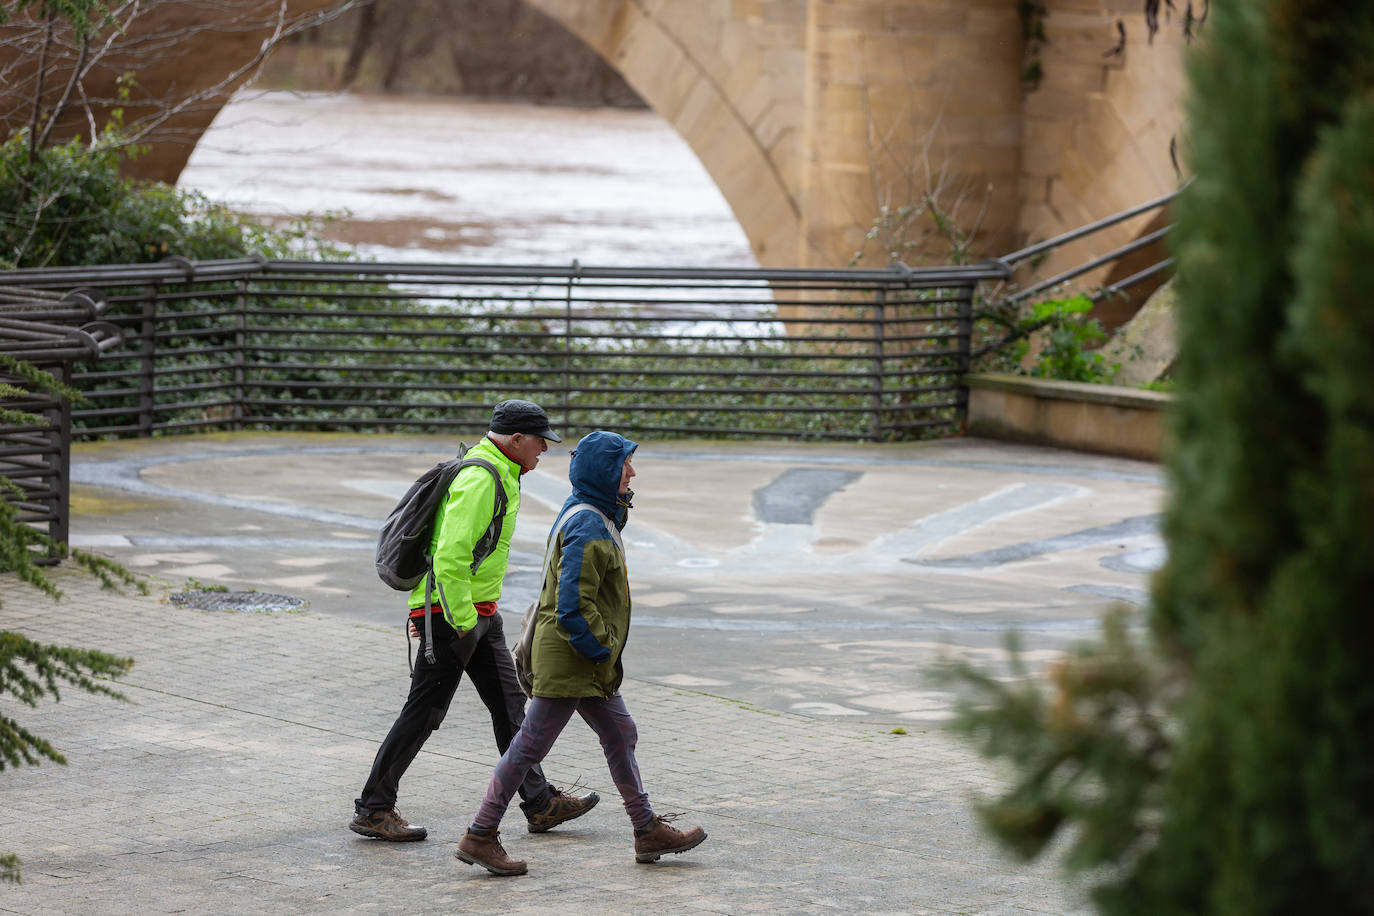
x: 69, y: 205
x: 1069, y: 332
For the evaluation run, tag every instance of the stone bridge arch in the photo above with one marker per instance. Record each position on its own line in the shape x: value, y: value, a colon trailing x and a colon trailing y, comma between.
x: 740, y: 118
x: 812, y: 115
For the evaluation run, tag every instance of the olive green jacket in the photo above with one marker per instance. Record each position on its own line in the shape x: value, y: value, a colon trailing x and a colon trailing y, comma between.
x: 583, y: 620
x: 603, y: 600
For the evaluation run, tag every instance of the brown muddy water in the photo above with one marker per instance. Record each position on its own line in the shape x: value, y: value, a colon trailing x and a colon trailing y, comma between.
x: 425, y: 179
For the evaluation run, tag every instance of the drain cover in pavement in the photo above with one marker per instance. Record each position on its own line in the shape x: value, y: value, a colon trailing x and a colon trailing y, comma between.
x: 235, y: 601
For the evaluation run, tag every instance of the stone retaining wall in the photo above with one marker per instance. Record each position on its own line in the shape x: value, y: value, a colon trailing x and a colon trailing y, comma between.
x: 1076, y: 415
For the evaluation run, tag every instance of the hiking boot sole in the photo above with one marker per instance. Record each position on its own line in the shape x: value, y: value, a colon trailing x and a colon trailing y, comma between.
x: 645, y: 858
x: 390, y: 837
x: 540, y: 828
x: 473, y: 860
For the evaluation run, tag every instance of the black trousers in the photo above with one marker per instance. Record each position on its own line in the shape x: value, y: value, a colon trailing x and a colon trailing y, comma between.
x: 483, y: 654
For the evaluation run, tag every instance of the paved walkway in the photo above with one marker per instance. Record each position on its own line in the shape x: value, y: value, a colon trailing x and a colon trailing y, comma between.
x: 789, y: 600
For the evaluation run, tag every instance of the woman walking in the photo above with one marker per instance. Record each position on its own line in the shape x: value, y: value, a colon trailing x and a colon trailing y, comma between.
x: 582, y: 624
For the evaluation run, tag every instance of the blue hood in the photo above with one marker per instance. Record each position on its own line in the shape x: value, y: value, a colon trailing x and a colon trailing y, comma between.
x: 595, y: 471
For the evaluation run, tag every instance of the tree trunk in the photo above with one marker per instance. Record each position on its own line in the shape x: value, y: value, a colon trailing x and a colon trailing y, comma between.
x: 362, y: 42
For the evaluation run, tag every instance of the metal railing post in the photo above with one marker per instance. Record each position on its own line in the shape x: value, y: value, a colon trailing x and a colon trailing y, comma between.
x: 60, y: 526
x: 879, y: 309
x: 964, y: 360
x: 237, y: 411
x: 567, y: 344
x: 147, y: 350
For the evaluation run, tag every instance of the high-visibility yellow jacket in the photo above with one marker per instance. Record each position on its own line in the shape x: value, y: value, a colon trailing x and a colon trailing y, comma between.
x: 459, y: 523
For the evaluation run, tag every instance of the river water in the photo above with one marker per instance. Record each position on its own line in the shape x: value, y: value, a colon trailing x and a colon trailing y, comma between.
x: 424, y: 179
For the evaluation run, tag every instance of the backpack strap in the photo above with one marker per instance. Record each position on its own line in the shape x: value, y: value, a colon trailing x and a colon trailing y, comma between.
x: 487, y: 543
x: 485, y: 547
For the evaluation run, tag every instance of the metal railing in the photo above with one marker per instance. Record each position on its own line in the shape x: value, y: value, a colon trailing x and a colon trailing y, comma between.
x: 1011, y: 261
x: 1021, y: 286
x: 255, y: 343
x: 49, y: 333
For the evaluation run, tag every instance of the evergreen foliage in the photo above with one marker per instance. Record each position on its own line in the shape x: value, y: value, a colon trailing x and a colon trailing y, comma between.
x: 63, y: 205
x: 1226, y: 765
x: 31, y: 670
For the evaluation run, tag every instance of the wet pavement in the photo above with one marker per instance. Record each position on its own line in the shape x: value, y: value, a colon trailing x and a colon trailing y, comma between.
x: 789, y: 602
x: 761, y: 570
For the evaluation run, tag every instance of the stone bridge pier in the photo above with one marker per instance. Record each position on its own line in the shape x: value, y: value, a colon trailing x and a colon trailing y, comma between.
x: 812, y: 116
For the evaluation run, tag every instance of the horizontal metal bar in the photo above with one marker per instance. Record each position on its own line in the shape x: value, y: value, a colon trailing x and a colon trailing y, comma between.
x: 156, y: 408
x: 559, y: 299
x: 191, y: 424
x: 564, y: 272
x: 83, y: 378
x: 500, y: 374
x: 561, y: 336
x: 573, y: 407
x: 15, y: 452
x: 18, y: 475
x: 33, y: 512
x: 1142, y: 242
x: 92, y: 432
x: 1133, y: 279
x: 714, y: 431
x: 36, y: 437
x: 1096, y: 226
x: 128, y: 274
x: 553, y: 354
x: 184, y: 272
x: 582, y: 389
x: 922, y: 424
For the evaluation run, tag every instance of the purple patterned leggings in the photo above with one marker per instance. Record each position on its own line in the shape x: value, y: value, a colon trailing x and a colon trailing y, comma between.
x: 545, y: 719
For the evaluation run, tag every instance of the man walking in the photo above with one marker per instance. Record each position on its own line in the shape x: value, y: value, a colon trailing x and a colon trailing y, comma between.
x: 468, y: 633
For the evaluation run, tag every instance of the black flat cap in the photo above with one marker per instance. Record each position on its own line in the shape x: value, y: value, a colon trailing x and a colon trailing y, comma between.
x: 522, y: 417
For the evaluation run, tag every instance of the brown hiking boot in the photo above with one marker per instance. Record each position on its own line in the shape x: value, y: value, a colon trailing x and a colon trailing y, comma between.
x: 660, y: 839
x: 387, y: 825
x: 487, y: 851
x: 562, y: 807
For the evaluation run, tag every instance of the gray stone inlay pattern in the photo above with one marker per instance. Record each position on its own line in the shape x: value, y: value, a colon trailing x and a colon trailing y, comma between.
x: 1007, y: 501
x: 1140, y: 526
x: 744, y: 624
x: 807, y: 608
x: 1148, y: 560
x: 1137, y: 596
x: 1004, y: 467
x: 794, y: 495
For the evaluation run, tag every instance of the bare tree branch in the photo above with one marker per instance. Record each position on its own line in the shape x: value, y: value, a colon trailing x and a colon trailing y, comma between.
x: 66, y: 94
x: 143, y: 38
x: 38, y: 93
